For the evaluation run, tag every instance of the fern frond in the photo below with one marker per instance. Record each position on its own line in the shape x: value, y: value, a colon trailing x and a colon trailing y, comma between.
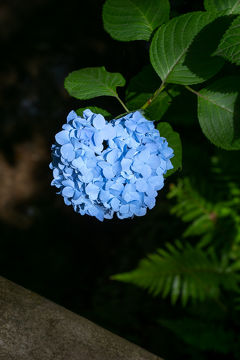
x: 182, y: 271
x: 192, y: 207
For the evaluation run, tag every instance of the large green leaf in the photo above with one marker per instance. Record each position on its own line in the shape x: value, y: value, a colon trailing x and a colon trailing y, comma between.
x: 229, y: 47
x: 219, y: 112
x: 181, y: 50
x: 174, y: 142
x: 232, y: 6
x: 92, y: 82
x: 127, y: 20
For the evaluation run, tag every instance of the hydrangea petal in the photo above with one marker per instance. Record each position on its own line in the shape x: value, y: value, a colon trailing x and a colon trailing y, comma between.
x: 125, y: 164
x: 112, y: 156
x: 141, y: 185
x: 62, y: 137
x: 97, y: 212
x: 68, y: 191
x: 67, y: 201
x: 71, y: 116
x: 169, y: 165
x: 87, y: 114
x: 145, y: 171
x: 92, y: 191
x: 143, y: 156
x: 115, y: 203
x: 109, y: 132
x: 150, y: 201
x: 108, y: 172
x: 99, y: 122
x: 68, y: 152
x: 124, y: 209
x: 78, y: 163
x: 68, y: 182
x: 167, y: 152
x: 56, y: 173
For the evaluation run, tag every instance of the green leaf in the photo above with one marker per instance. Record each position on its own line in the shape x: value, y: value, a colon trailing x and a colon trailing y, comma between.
x: 127, y: 20
x: 233, y: 6
x: 229, y: 46
x: 92, y: 82
x: 94, y: 109
x: 181, y: 50
x: 174, y: 142
x: 192, y: 206
x: 218, y: 112
x: 200, y: 226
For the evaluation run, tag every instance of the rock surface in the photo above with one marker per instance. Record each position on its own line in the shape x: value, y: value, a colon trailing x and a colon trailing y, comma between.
x: 33, y: 328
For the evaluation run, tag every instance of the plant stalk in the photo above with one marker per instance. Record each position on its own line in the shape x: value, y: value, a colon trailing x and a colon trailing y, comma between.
x: 157, y: 92
x: 122, y: 103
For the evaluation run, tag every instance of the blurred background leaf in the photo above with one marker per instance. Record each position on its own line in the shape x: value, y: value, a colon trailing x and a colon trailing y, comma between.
x: 182, y: 271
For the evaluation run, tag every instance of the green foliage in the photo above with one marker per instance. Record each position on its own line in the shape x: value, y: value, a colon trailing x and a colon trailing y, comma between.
x: 229, y: 46
x: 218, y: 112
x: 174, y: 142
x: 94, y: 109
x: 192, y: 207
x: 127, y: 20
x: 232, y: 6
x: 188, y: 49
x: 92, y: 82
x: 212, y: 211
x: 182, y: 271
x: 202, y: 271
x: 181, y: 50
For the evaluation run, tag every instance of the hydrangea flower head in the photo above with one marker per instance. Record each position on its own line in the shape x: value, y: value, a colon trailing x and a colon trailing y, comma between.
x: 102, y: 168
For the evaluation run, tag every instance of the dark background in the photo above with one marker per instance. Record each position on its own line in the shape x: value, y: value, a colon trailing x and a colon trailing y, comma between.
x: 45, y: 246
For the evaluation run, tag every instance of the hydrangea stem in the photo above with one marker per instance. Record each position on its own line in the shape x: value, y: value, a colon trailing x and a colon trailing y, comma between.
x: 122, y: 103
x: 157, y: 92
x: 192, y: 90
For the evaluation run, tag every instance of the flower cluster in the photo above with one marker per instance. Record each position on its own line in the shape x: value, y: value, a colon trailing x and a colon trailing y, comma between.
x: 102, y: 168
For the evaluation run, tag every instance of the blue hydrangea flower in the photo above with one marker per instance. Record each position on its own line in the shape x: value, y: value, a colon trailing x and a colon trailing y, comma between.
x: 102, y: 168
